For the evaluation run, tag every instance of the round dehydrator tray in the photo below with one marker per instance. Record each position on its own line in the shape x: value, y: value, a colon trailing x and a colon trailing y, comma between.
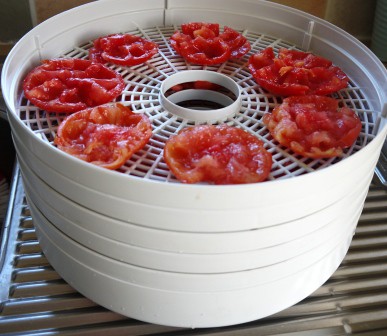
x: 144, y: 197
x: 274, y: 256
x: 270, y: 206
x: 162, y: 302
x: 187, y: 242
x: 144, y: 189
x: 205, y: 282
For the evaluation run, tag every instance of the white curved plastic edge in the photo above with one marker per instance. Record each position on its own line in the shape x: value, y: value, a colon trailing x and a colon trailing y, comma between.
x: 184, y: 308
x: 170, y: 103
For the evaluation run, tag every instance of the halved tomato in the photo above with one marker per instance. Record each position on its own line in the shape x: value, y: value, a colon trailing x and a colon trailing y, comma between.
x: 203, y: 43
x: 238, y: 43
x: 295, y: 72
x: 313, y: 126
x: 122, y: 49
x: 217, y: 154
x: 205, y: 51
x: 69, y: 85
x: 205, y: 29
x: 106, y: 135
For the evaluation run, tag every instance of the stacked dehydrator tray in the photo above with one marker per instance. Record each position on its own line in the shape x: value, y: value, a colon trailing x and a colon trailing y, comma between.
x: 144, y: 245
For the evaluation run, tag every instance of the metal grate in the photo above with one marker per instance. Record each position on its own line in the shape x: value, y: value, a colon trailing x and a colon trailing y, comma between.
x: 35, y: 300
x: 142, y: 95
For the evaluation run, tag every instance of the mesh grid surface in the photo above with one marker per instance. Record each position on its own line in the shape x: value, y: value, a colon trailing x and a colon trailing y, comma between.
x: 141, y: 94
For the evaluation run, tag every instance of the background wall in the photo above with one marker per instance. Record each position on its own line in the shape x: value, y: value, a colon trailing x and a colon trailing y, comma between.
x: 354, y: 16
x: 15, y: 21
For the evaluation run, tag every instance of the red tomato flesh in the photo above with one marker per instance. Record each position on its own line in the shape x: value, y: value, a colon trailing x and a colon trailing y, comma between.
x: 70, y: 85
x: 205, y: 51
x: 106, y: 136
x: 313, y: 126
x: 217, y: 154
x: 202, y: 43
x: 194, y: 29
x: 122, y: 49
x: 295, y: 72
x: 237, y: 42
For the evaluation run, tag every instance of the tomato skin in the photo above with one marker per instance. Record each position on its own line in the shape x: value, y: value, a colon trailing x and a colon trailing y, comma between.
x: 217, y: 154
x: 106, y: 135
x: 70, y: 85
x: 122, y: 49
x: 295, y: 72
x: 202, y: 43
x: 313, y: 126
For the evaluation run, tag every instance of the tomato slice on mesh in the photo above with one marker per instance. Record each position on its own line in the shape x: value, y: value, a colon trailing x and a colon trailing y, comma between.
x: 295, y: 72
x: 122, y: 49
x: 70, y: 85
x: 313, y: 126
x: 205, y: 51
x: 238, y: 43
x: 204, y: 29
x: 106, y: 135
x: 202, y: 43
x: 217, y: 154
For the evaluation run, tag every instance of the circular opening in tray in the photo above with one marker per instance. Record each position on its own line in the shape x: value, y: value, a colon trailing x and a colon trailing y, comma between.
x: 200, y: 95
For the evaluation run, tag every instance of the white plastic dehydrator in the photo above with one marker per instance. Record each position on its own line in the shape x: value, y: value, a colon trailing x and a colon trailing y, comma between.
x: 141, y: 243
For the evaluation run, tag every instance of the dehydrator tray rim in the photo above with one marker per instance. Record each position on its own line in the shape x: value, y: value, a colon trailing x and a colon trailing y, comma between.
x: 365, y: 94
x: 353, y: 300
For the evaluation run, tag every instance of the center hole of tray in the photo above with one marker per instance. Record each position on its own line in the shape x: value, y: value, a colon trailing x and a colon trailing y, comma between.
x: 200, y: 95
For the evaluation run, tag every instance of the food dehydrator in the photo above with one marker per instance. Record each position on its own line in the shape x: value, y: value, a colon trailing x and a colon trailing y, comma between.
x: 141, y: 243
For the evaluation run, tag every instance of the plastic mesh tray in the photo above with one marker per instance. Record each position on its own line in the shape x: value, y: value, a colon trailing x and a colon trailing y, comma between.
x: 142, y: 95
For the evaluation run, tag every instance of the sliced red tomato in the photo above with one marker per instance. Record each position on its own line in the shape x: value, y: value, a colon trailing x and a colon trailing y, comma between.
x: 295, y: 72
x: 217, y: 154
x: 179, y: 39
x: 70, y: 85
x: 238, y: 43
x: 122, y: 49
x: 202, y: 43
x: 204, y: 29
x: 205, y: 51
x: 261, y: 59
x: 313, y: 126
x: 106, y: 135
